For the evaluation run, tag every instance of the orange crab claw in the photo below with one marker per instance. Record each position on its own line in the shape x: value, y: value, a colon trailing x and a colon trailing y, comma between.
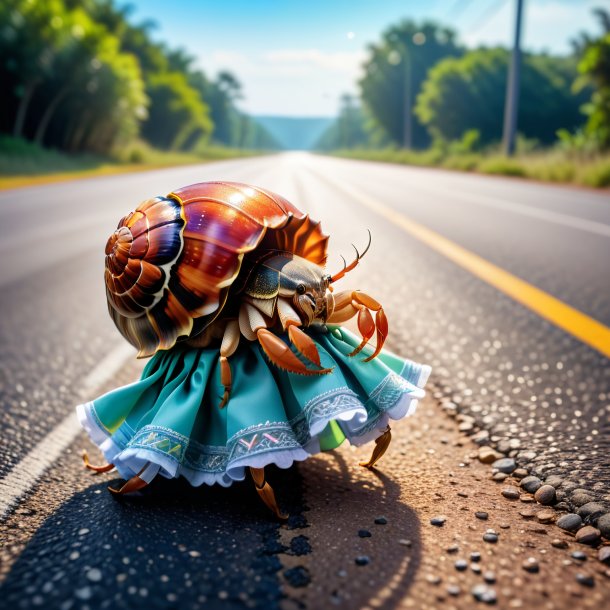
x: 381, y: 322
x: 304, y: 344
x: 282, y: 356
x: 366, y: 326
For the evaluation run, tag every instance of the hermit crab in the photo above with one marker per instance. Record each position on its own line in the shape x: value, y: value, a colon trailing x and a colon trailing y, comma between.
x: 217, y: 263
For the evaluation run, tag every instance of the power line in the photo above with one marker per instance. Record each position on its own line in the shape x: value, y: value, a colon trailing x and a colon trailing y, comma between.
x: 486, y: 16
x: 457, y: 9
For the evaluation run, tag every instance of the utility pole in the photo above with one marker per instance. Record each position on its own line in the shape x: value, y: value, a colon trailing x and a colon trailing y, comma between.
x: 511, y: 107
x: 407, y: 118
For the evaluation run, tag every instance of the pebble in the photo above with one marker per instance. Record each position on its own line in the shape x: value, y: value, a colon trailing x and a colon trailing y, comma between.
x: 531, y: 484
x: 381, y: 521
x: 454, y: 548
x: 475, y: 567
x: 580, y: 497
x: 405, y: 542
x: 489, y: 577
x: 462, y: 494
x: 545, y: 495
x: 546, y: 516
x: 499, y: 477
x: 604, y: 554
x: 585, y: 580
x: 94, y: 575
x: 490, y: 537
x: 587, y: 535
x: 580, y: 555
x: 603, y: 525
x: 570, y: 522
x: 554, y: 481
x: 506, y: 465
x: 453, y: 590
x: 461, y: 565
x: 83, y: 593
x: 438, y: 521
x: 487, y: 455
x: 526, y: 498
x: 512, y: 493
x: 481, y: 515
x: 527, y: 513
x: 520, y: 473
x: 433, y: 579
x: 531, y: 565
x: 362, y: 560
x: 559, y: 544
x: 485, y: 594
x: 364, y: 533
x: 593, y: 510
x: 475, y: 556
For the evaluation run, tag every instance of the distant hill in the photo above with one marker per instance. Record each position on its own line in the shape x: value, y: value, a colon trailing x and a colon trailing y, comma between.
x: 295, y: 133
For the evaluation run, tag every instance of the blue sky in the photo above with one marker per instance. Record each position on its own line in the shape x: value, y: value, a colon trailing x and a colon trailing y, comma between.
x: 297, y: 58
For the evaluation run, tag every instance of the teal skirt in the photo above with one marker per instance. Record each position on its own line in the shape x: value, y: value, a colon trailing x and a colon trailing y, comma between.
x: 169, y: 422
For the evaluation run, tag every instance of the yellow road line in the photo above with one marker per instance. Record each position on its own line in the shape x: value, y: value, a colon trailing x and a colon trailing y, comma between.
x: 574, y: 322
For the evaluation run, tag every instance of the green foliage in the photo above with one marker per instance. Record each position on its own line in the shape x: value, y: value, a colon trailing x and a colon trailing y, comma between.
x: 594, y: 68
x: 395, y: 70
x: 348, y: 130
x: 467, y: 93
x: 78, y: 76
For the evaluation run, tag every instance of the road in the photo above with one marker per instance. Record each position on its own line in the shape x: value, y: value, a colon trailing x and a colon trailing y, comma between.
x: 501, y: 285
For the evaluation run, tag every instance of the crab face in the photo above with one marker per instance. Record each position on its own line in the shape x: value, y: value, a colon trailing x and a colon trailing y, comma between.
x: 297, y: 280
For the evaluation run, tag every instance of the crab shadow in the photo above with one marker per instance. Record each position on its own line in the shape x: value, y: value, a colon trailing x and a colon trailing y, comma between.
x: 208, y: 547
x: 345, y: 503
x: 171, y: 546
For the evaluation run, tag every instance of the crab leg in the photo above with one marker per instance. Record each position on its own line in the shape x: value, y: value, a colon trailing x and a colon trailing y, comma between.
x: 139, y: 481
x: 265, y: 492
x: 90, y: 466
x: 348, y: 304
x: 230, y: 341
x: 381, y: 444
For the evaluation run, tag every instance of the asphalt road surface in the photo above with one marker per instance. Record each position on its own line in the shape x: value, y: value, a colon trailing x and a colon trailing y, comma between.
x: 536, y: 387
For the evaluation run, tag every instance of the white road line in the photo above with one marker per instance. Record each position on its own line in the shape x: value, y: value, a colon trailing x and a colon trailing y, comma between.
x: 26, y: 473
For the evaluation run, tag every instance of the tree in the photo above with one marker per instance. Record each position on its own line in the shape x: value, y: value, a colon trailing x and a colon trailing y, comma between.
x: 348, y: 131
x: 466, y: 93
x: 395, y: 71
x: 594, y: 68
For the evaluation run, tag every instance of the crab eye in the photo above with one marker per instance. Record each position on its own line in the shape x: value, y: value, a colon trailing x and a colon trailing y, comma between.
x: 301, y: 289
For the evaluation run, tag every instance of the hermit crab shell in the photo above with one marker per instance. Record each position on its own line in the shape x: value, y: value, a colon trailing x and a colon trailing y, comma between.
x: 171, y: 263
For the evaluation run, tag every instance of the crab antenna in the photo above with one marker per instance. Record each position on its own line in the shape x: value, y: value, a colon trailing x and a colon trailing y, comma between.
x: 352, y: 265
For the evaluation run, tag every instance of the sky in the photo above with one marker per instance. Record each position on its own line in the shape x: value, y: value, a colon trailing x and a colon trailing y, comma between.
x: 296, y: 58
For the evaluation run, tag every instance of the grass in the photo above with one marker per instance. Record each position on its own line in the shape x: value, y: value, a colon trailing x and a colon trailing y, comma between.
x: 549, y: 166
x: 23, y: 163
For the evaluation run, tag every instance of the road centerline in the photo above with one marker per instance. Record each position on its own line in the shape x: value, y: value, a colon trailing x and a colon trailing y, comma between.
x: 583, y: 327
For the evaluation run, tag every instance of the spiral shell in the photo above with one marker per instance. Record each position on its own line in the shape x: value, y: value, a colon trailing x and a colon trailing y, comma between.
x: 171, y: 262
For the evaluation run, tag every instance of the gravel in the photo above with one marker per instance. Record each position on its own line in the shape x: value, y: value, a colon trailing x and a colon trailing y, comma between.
x: 481, y: 515
x: 531, y: 565
x: 588, y: 535
x: 362, y: 560
x: 591, y: 510
x: 438, y: 521
x: 506, y: 465
x: 461, y: 565
x: 364, y: 533
x: 512, y: 493
x: 531, y: 484
x: 545, y: 495
x: 604, y: 554
x: 381, y: 521
x: 485, y: 594
x: 580, y: 497
x: 570, y: 522
x: 579, y: 555
x: 586, y: 580
x: 487, y: 455
x: 603, y: 525
x: 546, y: 516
